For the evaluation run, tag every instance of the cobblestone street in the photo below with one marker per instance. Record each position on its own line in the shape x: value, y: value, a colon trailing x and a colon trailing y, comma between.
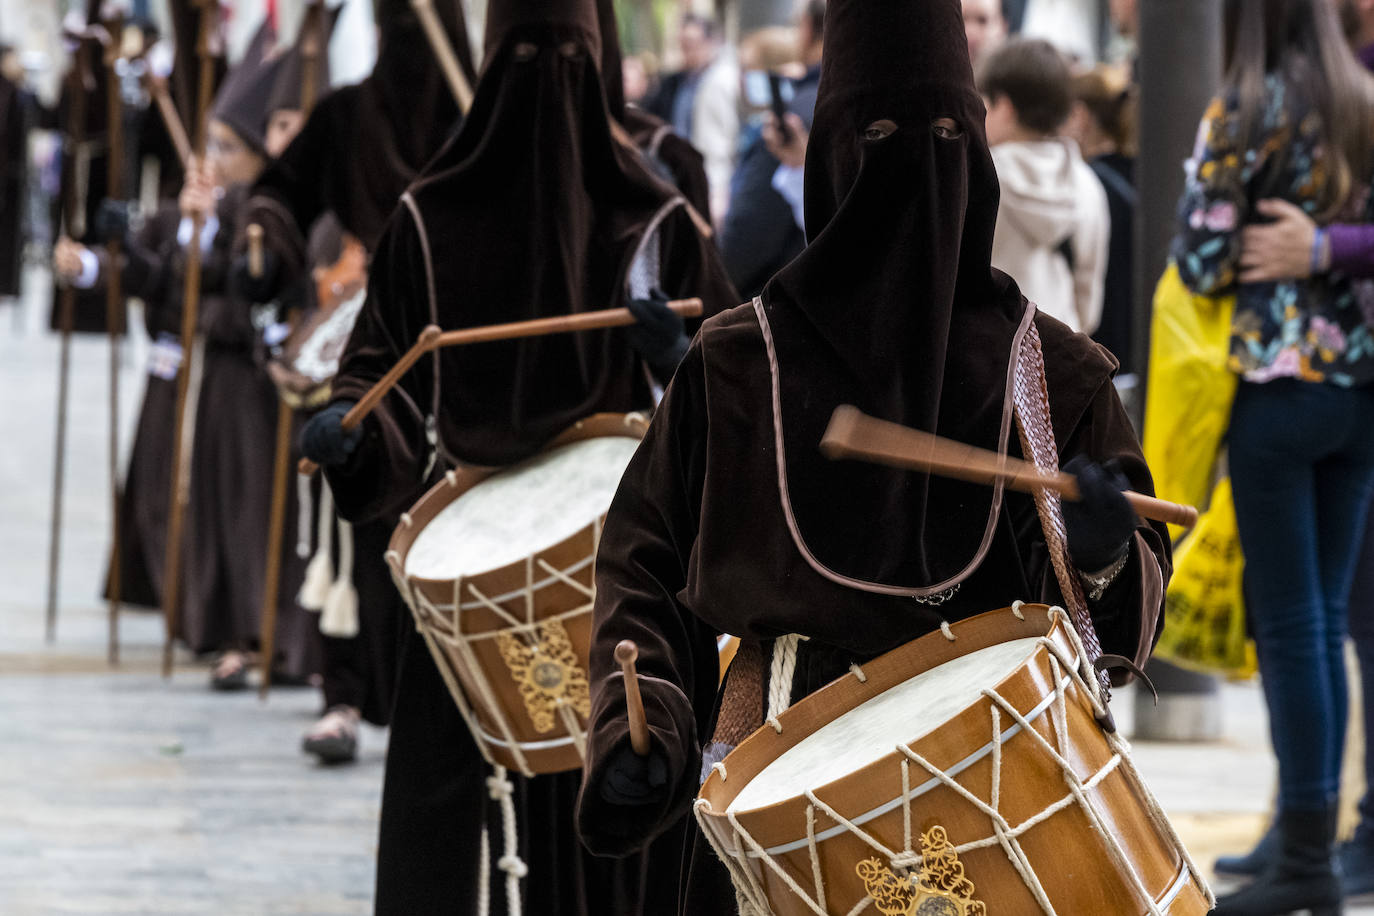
x: 122, y: 793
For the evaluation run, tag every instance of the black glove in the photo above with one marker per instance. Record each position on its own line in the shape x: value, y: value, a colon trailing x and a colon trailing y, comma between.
x: 112, y: 220
x: 264, y: 288
x: 324, y: 441
x: 1101, y: 522
x: 632, y: 780
x: 660, y: 335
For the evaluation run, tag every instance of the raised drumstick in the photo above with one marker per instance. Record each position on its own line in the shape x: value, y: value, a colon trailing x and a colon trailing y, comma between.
x: 626, y: 653
x: 854, y: 434
x: 431, y: 338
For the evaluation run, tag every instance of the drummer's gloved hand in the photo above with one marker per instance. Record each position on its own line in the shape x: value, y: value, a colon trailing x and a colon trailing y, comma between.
x: 1101, y: 522
x: 262, y: 288
x: 660, y: 336
x: 633, y: 780
x: 324, y: 440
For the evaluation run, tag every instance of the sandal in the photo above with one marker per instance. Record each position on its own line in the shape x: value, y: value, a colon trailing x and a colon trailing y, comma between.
x: 230, y: 672
x: 334, y: 738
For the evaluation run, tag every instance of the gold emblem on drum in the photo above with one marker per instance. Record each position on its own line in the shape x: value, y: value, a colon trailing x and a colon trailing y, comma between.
x: 547, y: 674
x: 939, y: 889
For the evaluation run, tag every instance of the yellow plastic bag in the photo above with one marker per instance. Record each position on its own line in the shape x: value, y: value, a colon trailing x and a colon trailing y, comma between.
x: 1204, y: 611
x: 1190, y: 390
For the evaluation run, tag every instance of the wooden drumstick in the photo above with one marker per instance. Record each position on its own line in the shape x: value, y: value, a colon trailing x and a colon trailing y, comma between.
x: 254, y: 233
x: 431, y: 338
x: 854, y: 434
x: 625, y: 653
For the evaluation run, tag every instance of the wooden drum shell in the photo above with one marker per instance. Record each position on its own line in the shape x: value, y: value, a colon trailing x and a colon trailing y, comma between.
x: 1074, y: 866
x: 432, y: 601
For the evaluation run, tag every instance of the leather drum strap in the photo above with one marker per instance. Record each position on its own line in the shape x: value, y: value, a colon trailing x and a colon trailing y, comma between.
x: 1031, y: 399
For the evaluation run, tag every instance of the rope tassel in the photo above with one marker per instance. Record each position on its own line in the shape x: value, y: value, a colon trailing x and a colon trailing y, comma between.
x: 320, y: 573
x: 339, y: 616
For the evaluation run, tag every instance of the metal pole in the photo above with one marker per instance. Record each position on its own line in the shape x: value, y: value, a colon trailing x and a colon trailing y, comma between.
x: 1180, y: 69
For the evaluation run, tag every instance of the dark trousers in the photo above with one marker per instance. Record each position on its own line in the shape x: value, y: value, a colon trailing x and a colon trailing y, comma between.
x: 1302, y: 465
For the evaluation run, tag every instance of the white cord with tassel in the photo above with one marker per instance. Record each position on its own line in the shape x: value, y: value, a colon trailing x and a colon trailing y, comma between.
x: 340, y: 613
x: 319, y: 574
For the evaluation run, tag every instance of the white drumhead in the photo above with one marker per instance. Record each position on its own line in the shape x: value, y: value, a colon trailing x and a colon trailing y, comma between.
x: 870, y: 731
x: 522, y: 510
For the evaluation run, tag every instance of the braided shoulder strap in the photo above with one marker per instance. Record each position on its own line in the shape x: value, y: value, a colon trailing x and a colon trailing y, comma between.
x: 1031, y: 399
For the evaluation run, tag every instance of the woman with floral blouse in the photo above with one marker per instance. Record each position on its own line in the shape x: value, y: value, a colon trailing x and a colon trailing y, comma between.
x: 1294, y: 121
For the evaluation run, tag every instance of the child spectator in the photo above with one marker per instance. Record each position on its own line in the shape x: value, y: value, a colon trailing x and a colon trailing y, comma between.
x: 1053, y: 226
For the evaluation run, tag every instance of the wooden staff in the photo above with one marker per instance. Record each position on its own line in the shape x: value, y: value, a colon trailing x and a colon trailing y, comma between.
x: 157, y: 88
x: 114, y: 311
x: 312, y: 45
x: 181, y: 452
x: 854, y: 434
x: 431, y: 338
x: 626, y: 652
x: 76, y: 136
x: 448, y: 61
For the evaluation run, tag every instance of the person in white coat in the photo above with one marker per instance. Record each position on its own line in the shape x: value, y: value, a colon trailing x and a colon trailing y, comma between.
x: 1053, y: 226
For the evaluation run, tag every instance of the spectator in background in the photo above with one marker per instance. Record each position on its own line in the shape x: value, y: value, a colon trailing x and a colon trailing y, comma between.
x: 1103, y: 125
x: 985, y: 27
x: 1292, y: 121
x: 1291, y: 246
x: 1053, y: 225
x: 701, y: 102
x: 1126, y: 25
x: 765, y: 228
x: 1072, y: 26
x: 638, y: 77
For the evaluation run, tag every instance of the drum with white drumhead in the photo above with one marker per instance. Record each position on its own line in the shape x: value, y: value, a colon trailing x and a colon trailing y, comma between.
x: 960, y: 775
x: 497, y: 568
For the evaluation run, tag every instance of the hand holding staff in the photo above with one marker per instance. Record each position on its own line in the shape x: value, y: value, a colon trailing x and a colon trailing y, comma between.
x: 626, y: 653
x: 854, y: 434
x: 431, y: 338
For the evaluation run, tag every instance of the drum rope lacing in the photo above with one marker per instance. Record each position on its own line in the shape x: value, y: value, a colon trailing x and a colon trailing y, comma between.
x: 753, y: 899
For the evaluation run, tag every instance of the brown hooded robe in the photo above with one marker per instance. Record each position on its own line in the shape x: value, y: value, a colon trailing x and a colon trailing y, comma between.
x: 894, y: 308
x: 535, y: 209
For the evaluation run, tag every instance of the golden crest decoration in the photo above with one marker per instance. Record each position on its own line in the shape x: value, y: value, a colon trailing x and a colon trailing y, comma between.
x: 940, y: 888
x: 547, y: 674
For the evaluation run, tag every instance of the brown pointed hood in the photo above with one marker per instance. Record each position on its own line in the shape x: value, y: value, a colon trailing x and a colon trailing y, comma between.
x: 894, y: 306
x: 312, y: 44
x: 241, y: 102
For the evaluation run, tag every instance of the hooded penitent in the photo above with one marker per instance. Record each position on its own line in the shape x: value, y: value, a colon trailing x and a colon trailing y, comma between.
x: 364, y: 144
x: 730, y: 520
x: 241, y: 102
x: 894, y: 307
x: 535, y: 209
x: 311, y: 47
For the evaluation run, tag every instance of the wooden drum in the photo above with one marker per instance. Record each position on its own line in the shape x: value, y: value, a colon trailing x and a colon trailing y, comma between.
x: 497, y: 567
x: 963, y: 774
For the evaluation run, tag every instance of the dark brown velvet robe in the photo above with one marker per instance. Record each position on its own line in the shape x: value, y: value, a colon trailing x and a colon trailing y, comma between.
x: 14, y: 146
x: 226, y: 521
x: 696, y: 544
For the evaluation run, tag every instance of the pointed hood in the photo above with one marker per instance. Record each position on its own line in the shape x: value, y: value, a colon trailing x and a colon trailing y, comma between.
x: 311, y: 47
x: 407, y: 87
x: 894, y: 306
x: 241, y: 102
x: 549, y: 208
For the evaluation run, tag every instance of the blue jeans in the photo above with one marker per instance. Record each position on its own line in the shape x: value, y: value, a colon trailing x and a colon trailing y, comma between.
x: 1302, y: 466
